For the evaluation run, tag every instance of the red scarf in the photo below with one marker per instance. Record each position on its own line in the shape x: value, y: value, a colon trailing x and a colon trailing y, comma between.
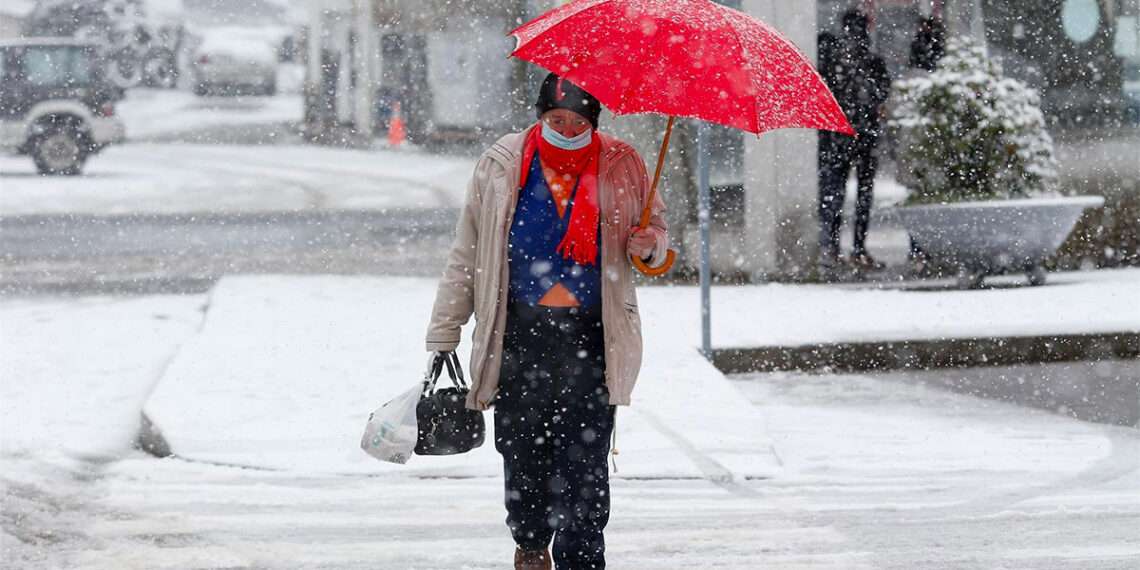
x: 580, y: 242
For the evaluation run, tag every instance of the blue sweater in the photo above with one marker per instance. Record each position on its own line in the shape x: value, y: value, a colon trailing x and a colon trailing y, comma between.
x: 536, y: 231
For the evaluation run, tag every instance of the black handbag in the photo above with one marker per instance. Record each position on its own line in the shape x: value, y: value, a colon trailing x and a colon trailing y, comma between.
x: 446, y: 426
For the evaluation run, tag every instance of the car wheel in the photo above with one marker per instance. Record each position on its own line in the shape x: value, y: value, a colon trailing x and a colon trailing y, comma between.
x: 161, y: 69
x: 201, y: 89
x: 1037, y: 275
x: 270, y: 89
x: 125, y: 68
x: 60, y: 151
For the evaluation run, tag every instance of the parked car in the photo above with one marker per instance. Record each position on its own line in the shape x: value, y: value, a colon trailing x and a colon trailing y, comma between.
x: 56, y: 103
x: 235, y: 64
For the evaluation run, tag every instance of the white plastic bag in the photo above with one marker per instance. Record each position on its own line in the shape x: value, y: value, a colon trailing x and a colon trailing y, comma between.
x: 392, y: 430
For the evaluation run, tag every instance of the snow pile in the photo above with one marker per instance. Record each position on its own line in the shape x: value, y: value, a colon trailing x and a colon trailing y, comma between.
x: 968, y: 133
x: 256, y: 45
x: 75, y: 373
x: 287, y: 369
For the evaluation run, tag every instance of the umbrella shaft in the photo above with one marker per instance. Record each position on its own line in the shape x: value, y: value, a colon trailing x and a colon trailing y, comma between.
x: 647, y: 211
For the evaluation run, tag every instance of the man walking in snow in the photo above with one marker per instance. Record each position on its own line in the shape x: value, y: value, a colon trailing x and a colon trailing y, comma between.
x: 541, y: 258
x: 861, y: 83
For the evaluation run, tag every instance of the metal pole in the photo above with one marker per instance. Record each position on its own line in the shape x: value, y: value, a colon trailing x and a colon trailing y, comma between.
x: 315, y: 104
x: 363, y: 62
x: 703, y: 216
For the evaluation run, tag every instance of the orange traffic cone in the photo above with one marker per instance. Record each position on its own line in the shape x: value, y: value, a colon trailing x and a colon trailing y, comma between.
x: 396, y: 134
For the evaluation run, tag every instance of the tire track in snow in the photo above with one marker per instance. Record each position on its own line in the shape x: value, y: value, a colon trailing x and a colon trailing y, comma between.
x: 1122, y: 460
x: 713, y: 471
x: 224, y: 160
x: 301, y: 179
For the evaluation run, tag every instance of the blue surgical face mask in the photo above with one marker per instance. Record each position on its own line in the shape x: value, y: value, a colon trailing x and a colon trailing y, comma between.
x: 555, y: 138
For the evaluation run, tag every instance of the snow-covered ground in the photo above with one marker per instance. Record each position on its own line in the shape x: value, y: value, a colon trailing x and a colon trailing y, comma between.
x: 75, y: 372
x: 263, y: 386
x: 165, y: 114
x: 278, y: 374
x: 286, y: 370
x: 800, y: 315
x: 142, y: 178
x: 874, y: 475
x: 172, y: 163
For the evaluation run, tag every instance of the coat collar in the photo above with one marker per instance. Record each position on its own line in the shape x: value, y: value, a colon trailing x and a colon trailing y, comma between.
x: 508, y: 150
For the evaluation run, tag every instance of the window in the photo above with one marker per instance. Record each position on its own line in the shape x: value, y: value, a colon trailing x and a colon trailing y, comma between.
x: 1080, y: 19
x: 57, y: 65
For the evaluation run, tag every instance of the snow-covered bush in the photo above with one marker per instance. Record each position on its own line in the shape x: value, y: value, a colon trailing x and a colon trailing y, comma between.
x: 967, y: 133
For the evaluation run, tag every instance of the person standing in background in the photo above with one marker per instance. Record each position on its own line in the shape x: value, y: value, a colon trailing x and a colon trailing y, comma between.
x: 861, y: 83
x: 830, y: 194
x: 928, y: 45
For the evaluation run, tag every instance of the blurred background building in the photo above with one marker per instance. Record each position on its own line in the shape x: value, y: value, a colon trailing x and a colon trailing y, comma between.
x: 441, y: 66
x: 444, y: 63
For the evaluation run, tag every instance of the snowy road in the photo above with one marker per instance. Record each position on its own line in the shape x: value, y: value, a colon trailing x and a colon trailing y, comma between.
x: 157, y: 217
x: 177, y: 178
x: 179, y: 253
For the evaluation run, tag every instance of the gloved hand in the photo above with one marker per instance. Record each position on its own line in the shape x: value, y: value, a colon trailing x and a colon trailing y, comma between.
x: 642, y: 243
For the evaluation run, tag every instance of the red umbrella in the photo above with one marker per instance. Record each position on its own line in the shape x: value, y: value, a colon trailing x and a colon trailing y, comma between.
x: 687, y: 58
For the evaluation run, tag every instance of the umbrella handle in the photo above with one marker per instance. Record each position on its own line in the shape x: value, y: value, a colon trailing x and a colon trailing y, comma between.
x: 647, y: 212
x: 645, y: 269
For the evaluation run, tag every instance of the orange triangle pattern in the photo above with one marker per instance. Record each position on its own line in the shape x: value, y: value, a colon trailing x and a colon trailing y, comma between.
x: 558, y: 296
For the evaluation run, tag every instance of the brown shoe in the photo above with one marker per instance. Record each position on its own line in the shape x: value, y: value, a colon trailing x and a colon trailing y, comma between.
x: 532, y: 559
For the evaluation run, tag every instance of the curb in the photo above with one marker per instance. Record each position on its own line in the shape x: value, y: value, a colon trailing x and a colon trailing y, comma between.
x: 150, y: 439
x: 1072, y: 391
x: 929, y: 354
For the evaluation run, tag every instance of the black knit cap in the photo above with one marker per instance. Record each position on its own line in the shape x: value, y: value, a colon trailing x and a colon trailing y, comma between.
x: 558, y: 93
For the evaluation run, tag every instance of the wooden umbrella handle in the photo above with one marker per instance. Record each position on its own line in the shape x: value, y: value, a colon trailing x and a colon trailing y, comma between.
x: 647, y: 211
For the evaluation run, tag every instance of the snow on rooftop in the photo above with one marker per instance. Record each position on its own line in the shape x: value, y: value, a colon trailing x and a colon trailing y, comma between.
x: 257, y: 43
x: 18, y: 8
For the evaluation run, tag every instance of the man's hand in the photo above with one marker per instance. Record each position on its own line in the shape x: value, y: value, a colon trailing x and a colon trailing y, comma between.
x: 437, y: 358
x: 641, y: 243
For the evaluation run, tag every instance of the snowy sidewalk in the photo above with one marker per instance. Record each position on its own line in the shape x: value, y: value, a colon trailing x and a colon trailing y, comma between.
x: 1090, y: 302
x: 286, y: 370
x: 876, y: 474
x: 74, y: 373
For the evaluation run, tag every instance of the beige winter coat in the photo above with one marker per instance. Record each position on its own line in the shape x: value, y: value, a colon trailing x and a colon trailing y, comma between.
x: 476, y: 277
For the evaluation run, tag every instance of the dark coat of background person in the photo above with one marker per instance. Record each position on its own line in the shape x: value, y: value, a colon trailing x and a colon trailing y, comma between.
x: 861, y: 83
x: 928, y: 45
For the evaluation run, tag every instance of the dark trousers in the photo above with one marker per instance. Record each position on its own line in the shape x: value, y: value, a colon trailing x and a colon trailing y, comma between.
x: 837, y: 155
x: 553, y: 424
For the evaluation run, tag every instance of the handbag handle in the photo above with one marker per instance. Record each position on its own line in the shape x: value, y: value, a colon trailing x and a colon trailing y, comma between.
x: 436, y: 362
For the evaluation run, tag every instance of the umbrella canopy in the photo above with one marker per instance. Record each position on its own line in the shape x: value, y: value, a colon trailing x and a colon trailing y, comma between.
x: 687, y: 58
